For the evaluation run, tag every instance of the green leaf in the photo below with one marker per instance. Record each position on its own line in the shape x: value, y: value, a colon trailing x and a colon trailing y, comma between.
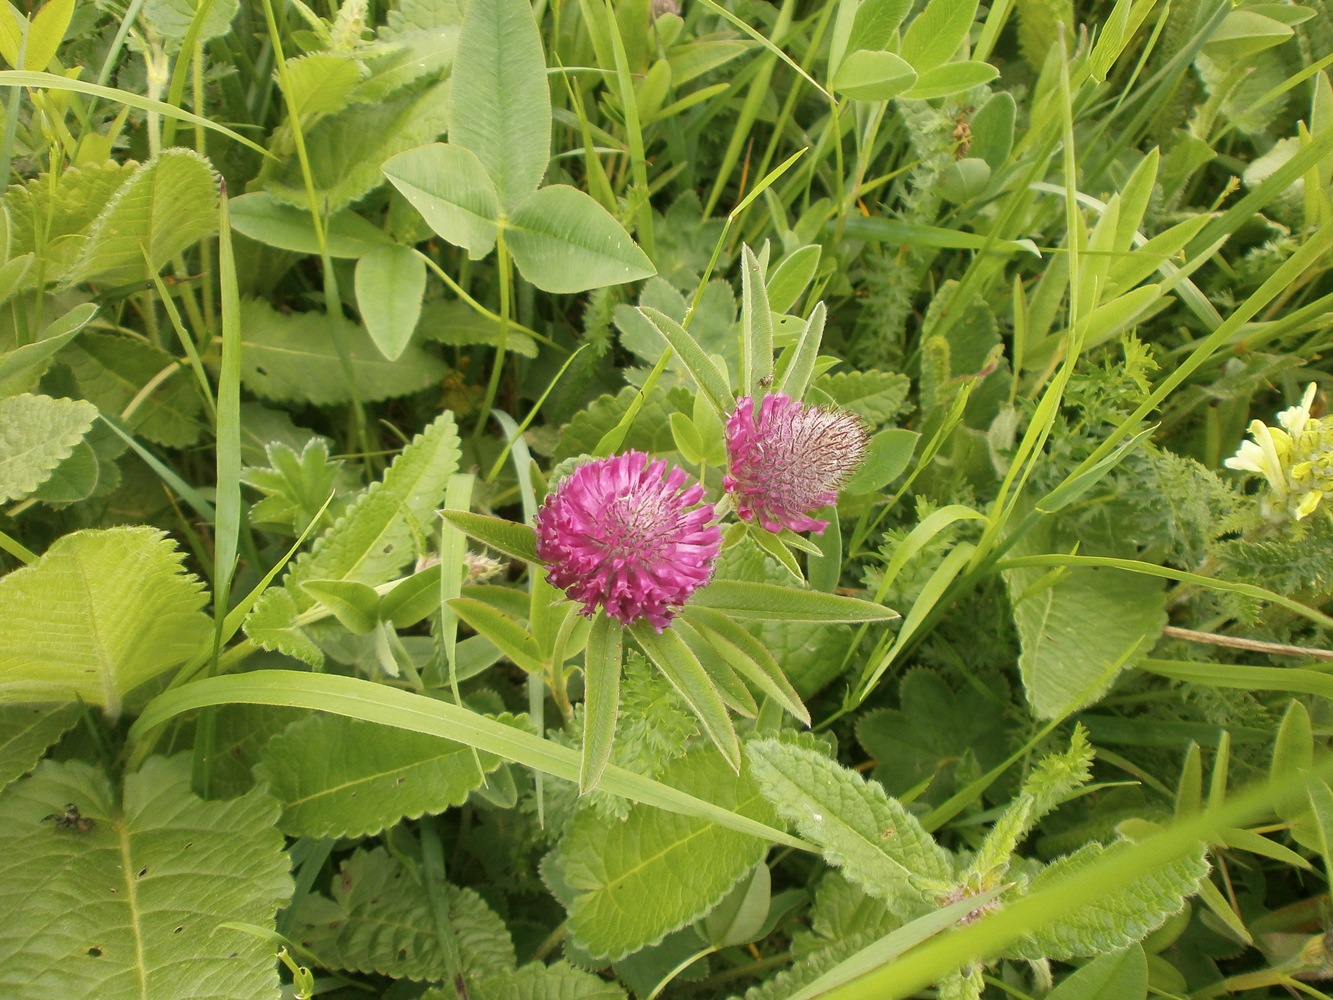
x: 98, y: 614
x: 876, y: 842
x: 451, y: 189
x: 354, y: 604
x: 711, y: 381
x: 564, y: 241
x: 1065, y: 663
x: 1118, y: 919
x: 136, y: 905
x: 742, y: 913
x: 949, y: 79
x: 37, y: 433
x: 601, y: 697
x: 517, y: 541
x: 937, y: 32
x: 295, y: 485
x: 413, y: 599
x: 28, y: 730
x: 294, y: 358
x: 390, y: 282
x: 873, y: 76
x: 172, y: 18
x: 748, y: 656
x: 887, y: 457
x: 874, y: 396
x: 509, y: 636
x: 756, y: 324
x: 500, y: 104
x: 168, y: 204
x: 381, y: 919
x: 637, y: 881
x: 338, y: 777
x: 1121, y: 975
x: 45, y: 33
x: 21, y: 368
x: 287, y: 227
x: 682, y: 668
x: 791, y: 277
x: 537, y: 981
x: 113, y: 371
x: 320, y: 84
x: 771, y: 603
x: 73, y: 479
x: 346, y: 150
x: 371, y: 542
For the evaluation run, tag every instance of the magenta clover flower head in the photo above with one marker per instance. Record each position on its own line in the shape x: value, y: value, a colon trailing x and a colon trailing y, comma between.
x: 621, y: 533
x: 789, y: 459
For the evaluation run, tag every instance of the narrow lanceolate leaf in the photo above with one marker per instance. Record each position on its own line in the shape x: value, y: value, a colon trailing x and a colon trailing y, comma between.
x: 564, y: 241
x: 26, y: 731
x: 338, y: 777
x: 877, y: 843
x: 637, y: 881
x: 712, y: 383
x: 771, y: 603
x: 515, y: 540
x: 37, y: 433
x: 509, y: 636
x: 750, y: 657
x: 380, y: 919
x: 682, y: 668
x: 100, y: 613
x: 449, y: 186
x: 1115, y: 920
x: 601, y: 697
x: 500, y: 101
x: 126, y: 895
x: 756, y: 328
x: 1064, y: 663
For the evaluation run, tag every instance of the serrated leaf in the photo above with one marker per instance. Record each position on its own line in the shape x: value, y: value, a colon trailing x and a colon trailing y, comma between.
x: 1065, y: 664
x: 876, y: 842
x: 500, y: 106
x: 380, y: 919
x: 112, y: 371
x: 37, y: 433
x: 564, y: 241
x: 339, y: 777
x: 98, y: 614
x: 369, y: 544
x: 172, y: 18
x: 295, y: 358
x: 874, y: 396
x: 134, y: 905
x: 170, y: 203
x: 536, y: 981
x: 62, y: 211
x: 1115, y: 920
x: 637, y: 881
x: 319, y: 83
x: 345, y: 150
x: 73, y: 479
x: 650, y: 432
x: 449, y: 186
x: 28, y: 730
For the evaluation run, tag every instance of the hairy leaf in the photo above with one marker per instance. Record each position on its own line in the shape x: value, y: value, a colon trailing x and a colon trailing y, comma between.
x: 113, y: 371
x: 876, y: 397
x: 638, y: 880
x: 124, y: 895
x: 340, y: 777
x: 37, y: 433
x: 97, y: 615
x: 536, y: 981
x: 380, y: 919
x: 61, y: 210
x: 877, y: 843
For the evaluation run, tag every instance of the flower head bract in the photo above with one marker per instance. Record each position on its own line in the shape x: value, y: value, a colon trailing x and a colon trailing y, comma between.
x: 626, y: 534
x: 788, y: 458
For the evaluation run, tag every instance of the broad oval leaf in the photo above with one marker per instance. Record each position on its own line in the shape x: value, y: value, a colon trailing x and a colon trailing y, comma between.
x: 133, y: 898
x: 873, y: 76
x: 390, y: 282
x: 937, y: 32
x: 99, y: 613
x: 500, y: 102
x: 450, y: 187
x: 262, y: 218
x: 951, y: 78
x: 563, y: 241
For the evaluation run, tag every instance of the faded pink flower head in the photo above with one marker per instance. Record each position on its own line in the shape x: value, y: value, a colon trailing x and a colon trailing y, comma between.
x: 620, y: 532
x: 789, y: 459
